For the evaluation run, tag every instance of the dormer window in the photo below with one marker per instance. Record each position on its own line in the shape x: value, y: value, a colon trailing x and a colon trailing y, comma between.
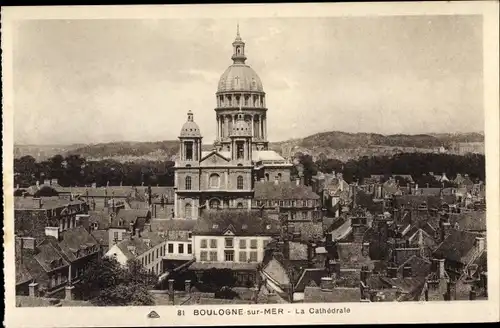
x: 268, y: 227
x: 215, y: 226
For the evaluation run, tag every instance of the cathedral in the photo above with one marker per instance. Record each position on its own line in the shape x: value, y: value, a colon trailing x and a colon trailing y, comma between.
x: 224, y: 177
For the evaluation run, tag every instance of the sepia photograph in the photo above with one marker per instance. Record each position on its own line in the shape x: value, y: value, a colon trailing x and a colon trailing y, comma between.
x: 211, y: 162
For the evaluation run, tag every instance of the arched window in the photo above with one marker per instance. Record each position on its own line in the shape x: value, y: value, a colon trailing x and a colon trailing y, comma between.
x: 239, y: 182
x: 214, y: 180
x: 188, y: 183
x: 188, y: 210
x: 279, y: 176
x: 214, y: 203
x: 267, y: 176
x: 240, y: 205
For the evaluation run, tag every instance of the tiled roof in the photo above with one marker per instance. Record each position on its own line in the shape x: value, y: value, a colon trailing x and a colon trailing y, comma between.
x: 101, y: 236
x: 277, y: 272
x: 469, y: 221
x: 407, y: 285
x: 420, y: 267
x: 22, y: 273
x: 32, y: 223
x: 350, y: 255
x: 310, y: 231
x: 28, y: 203
x: 48, y: 254
x: 172, y: 225
x: 338, y: 294
x: 75, y: 239
x: 457, y: 246
x: 140, y: 245
x: 283, y: 191
x: 116, y: 191
x: 310, y: 277
x: 102, y: 218
x: 298, y: 251
x: 223, y: 265
x: 130, y: 216
x: 242, y: 223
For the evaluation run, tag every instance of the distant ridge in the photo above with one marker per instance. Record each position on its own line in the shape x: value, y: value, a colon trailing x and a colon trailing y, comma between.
x: 325, y: 142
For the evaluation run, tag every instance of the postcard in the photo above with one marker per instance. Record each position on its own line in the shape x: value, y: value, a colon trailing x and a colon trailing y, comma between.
x: 251, y: 164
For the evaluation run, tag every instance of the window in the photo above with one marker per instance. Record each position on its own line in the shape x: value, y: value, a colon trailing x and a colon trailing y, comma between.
x: 214, y: 180
x: 188, y: 212
x: 239, y: 206
x: 213, y: 243
x: 115, y: 235
x: 240, y: 150
x: 243, y: 243
x: 164, y: 249
x: 170, y: 248
x: 189, y: 150
x: 239, y: 182
x: 190, y: 235
x: 190, y: 249
x: 265, y: 242
x: 214, y: 203
x: 304, y: 215
x: 229, y: 256
x: 253, y: 243
x: 267, y: 176
x: 253, y: 256
x: 142, y: 261
x: 157, y: 253
x: 229, y: 242
x: 181, y: 248
x: 188, y: 183
x: 213, y: 256
x: 279, y: 176
x: 203, y: 256
x: 203, y: 243
x: 243, y: 256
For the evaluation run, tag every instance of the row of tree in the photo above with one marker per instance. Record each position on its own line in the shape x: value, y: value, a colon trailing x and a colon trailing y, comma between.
x: 418, y: 165
x: 74, y: 170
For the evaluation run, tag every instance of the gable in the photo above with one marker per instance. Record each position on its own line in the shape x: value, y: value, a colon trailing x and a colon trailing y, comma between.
x: 214, y: 158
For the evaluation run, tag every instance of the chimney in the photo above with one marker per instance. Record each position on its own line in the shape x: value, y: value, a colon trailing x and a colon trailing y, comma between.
x: 416, y: 186
x: 326, y: 284
x: 132, y: 249
x: 147, y: 242
x: 147, y: 227
x: 33, y: 289
x: 46, y: 182
x: 392, y: 271
x: 28, y: 243
x: 37, y: 183
x: 472, y: 293
x: 365, y: 250
x: 187, y: 286
x: 408, y: 187
x: 262, y: 180
x: 445, y: 230
x: 171, y: 289
x: 440, y: 268
x: 94, y: 185
x: 137, y: 232
x: 407, y: 271
x: 68, y: 290
x: 480, y: 241
x: 297, y: 181
x: 83, y: 221
x: 52, y: 232
x: 365, y: 274
x: 53, y: 182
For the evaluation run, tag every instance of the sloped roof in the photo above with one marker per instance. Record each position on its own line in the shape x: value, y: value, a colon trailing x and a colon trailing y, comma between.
x: 129, y: 216
x: 101, y: 236
x: 29, y: 203
x: 47, y: 254
x: 419, y: 266
x: 298, y: 251
x: 140, y: 245
x: 350, y: 255
x: 266, y: 155
x: 75, y: 239
x: 407, y: 285
x: 283, y: 191
x: 172, y: 225
x: 338, y: 294
x: 223, y: 265
x: 102, y: 218
x: 310, y: 231
x: 457, y: 246
x: 241, y: 223
x: 310, y: 276
x: 116, y: 191
x: 22, y: 273
x: 277, y: 272
x: 471, y: 221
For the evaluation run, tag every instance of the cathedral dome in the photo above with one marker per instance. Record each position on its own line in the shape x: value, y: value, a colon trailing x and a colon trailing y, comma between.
x: 190, y: 129
x: 240, y: 77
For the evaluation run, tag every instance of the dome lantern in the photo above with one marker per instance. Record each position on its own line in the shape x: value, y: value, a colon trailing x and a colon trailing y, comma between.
x: 190, y: 129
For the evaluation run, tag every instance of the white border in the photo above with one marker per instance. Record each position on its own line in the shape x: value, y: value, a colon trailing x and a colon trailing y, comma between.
x: 359, y: 312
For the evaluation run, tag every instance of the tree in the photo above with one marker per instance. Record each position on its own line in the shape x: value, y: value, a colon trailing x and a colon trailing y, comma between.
x: 106, y: 282
x: 46, y: 191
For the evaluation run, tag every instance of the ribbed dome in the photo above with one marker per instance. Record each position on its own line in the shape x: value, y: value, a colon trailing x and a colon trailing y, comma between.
x: 241, y: 128
x: 240, y: 77
x: 190, y: 129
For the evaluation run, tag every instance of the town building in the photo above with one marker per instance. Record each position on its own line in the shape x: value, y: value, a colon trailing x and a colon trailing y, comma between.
x: 224, y: 177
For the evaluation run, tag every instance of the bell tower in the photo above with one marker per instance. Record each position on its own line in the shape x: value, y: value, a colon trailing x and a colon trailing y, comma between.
x: 190, y: 137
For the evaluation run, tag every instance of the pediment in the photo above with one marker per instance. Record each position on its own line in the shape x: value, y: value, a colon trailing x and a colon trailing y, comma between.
x: 229, y: 231
x: 214, y: 158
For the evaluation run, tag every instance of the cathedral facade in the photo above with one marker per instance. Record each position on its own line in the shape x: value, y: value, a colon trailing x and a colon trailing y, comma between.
x: 224, y: 177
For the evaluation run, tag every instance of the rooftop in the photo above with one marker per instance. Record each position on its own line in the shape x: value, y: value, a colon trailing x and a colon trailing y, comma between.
x: 240, y: 223
x: 283, y: 191
x: 457, y: 246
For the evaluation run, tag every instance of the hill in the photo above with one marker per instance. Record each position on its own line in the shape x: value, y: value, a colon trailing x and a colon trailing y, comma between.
x: 334, y: 144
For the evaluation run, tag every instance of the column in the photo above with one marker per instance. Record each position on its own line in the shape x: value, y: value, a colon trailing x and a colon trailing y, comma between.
x: 253, y: 124
x: 265, y: 128
x: 259, y: 122
x: 175, y: 204
x: 218, y: 135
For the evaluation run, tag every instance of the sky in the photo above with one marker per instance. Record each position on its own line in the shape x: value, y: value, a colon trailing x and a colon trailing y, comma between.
x: 93, y: 81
